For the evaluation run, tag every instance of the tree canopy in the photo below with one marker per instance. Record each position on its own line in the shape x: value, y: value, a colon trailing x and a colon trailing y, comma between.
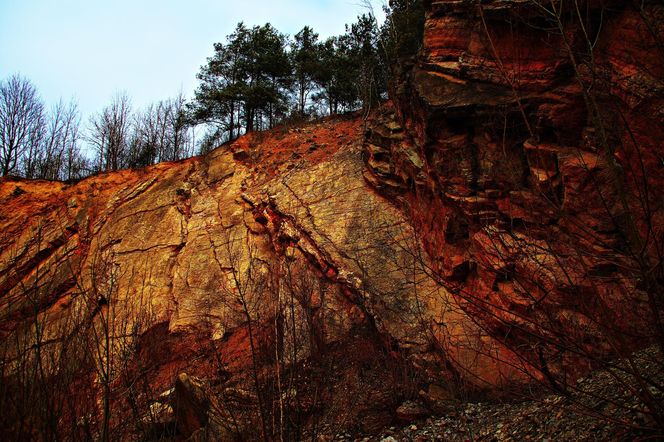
x: 259, y: 77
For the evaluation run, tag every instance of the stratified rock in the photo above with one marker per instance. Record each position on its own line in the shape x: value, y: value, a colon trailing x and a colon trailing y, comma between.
x: 502, y: 174
x: 167, y: 250
x: 469, y: 220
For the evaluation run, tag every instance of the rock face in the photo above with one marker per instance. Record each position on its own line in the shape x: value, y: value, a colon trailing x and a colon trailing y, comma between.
x: 488, y: 228
x: 273, y: 247
x: 529, y: 162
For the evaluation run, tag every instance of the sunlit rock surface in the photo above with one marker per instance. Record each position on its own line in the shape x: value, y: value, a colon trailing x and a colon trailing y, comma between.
x: 200, y: 261
x: 442, y: 247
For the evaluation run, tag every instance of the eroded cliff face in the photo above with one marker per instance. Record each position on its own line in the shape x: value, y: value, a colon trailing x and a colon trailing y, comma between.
x: 530, y: 165
x: 483, y: 230
x: 272, y: 248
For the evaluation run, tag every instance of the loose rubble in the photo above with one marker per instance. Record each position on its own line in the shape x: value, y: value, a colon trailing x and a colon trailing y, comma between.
x: 575, y: 417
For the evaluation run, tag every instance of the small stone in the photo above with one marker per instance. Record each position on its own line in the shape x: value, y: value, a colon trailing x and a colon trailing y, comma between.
x: 410, y: 411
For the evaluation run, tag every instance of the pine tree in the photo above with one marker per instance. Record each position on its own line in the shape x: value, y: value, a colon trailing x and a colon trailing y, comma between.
x: 245, y: 82
x: 361, y: 41
x: 218, y: 96
x: 305, y: 53
x: 402, y: 32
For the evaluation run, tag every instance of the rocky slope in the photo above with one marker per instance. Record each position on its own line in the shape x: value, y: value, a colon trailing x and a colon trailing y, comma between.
x: 199, y: 266
x: 484, y: 231
x: 578, y: 417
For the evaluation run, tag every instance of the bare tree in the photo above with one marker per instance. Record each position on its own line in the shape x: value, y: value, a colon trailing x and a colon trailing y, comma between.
x: 146, y: 136
x: 61, y: 137
x: 109, y: 133
x: 160, y: 133
x: 180, y: 127
x: 21, y: 120
x: 75, y: 165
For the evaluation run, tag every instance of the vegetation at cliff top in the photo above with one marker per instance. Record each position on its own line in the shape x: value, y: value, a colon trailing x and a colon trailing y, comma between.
x: 256, y: 79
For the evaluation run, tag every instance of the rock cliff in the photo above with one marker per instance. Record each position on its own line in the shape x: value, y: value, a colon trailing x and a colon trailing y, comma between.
x: 530, y: 165
x: 486, y: 229
x: 275, y: 243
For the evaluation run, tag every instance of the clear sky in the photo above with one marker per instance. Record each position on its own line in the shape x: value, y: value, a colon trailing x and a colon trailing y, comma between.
x: 152, y: 49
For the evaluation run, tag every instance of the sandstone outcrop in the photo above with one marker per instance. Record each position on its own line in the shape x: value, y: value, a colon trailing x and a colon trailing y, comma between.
x: 478, y: 232
x: 531, y: 166
x: 214, y: 263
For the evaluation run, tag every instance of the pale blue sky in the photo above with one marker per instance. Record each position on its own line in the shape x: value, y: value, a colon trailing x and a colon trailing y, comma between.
x: 92, y: 49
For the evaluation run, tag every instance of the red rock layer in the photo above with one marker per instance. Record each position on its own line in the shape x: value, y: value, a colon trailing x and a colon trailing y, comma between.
x: 531, y: 163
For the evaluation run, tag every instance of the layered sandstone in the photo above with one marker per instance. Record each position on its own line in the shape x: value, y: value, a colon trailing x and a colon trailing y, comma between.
x: 202, y: 264
x: 481, y: 232
x: 530, y: 162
